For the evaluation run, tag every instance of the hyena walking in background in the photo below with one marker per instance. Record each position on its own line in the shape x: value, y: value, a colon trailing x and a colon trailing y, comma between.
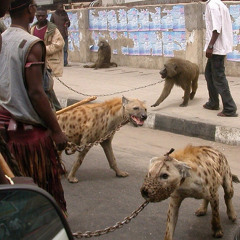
x: 91, y: 122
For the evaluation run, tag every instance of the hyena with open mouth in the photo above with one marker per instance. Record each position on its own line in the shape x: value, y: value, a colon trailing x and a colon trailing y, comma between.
x: 91, y: 122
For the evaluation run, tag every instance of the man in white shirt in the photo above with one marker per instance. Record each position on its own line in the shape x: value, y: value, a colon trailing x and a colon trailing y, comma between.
x: 219, y: 42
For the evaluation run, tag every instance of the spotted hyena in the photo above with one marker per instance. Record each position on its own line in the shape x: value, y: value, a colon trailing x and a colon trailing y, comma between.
x: 195, y: 172
x: 91, y: 122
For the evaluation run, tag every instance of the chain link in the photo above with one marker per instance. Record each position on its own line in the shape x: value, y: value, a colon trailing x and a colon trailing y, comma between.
x: 72, y: 147
x: 110, y: 94
x: 89, y: 234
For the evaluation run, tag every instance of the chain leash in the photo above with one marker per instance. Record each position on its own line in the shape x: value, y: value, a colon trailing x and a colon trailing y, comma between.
x: 89, y: 234
x: 110, y: 94
x: 72, y: 147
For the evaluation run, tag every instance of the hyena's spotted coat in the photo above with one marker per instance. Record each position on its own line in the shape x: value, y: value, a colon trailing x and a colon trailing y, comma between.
x: 195, y: 172
x: 91, y: 122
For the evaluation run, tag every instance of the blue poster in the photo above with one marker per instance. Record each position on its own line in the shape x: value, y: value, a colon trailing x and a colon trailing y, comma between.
x: 179, y: 40
x: 93, y: 19
x: 113, y: 35
x: 155, y: 21
x: 144, y: 43
x: 122, y: 20
x: 124, y: 49
x: 132, y: 16
x: 236, y: 39
x: 73, y: 41
x: 156, y: 43
x: 143, y: 20
x: 235, y: 13
x: 167, y: 20
x: 112, y: 20
x: 102, y: 20
x: 234, y: 56
x: 151, y: 33
x: 168, y: 44
x: 73, y: 32
x: 134, y: 36
x: 73, y: 17
x: 178, y: 18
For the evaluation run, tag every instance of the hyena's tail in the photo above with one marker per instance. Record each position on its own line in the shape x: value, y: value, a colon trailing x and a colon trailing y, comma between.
x: 235, y: 178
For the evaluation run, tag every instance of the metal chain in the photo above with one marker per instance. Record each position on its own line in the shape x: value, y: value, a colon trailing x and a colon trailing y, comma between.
x: 72, y: 147
x: 110, y: 94
x: 89, y: 234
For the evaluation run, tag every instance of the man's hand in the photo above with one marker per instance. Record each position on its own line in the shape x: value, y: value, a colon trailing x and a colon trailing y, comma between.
x: 209, y: 52
x: 60, y: 140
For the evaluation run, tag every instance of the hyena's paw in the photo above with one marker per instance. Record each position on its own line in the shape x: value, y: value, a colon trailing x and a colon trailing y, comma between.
x: 183, y: 104
x: 218, y: 233
x: 232, y: 216
x: 122, y: 174
x: 201, y: 212
x: 72, y: 179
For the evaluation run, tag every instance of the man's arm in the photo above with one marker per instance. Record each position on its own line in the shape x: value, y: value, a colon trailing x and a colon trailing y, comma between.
x: 57, y: 43
x: 214, y: 38
x: 67, y: 21
x: 38, y: 97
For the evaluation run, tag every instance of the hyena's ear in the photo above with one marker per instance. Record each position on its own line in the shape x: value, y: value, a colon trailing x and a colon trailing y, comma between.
x: 154, y: 159
x: 124, y: 101
x: 150, y: 167
x: 183, y: 168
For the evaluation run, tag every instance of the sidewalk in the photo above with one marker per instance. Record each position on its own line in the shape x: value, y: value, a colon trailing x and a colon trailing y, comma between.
x: 192, y: 120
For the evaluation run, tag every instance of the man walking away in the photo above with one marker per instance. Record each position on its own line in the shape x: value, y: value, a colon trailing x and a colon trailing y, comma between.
x: 61, y: 19
x: 219, y: 42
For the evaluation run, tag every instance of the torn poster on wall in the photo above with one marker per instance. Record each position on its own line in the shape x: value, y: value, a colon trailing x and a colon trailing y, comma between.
x: 151, y: 33
x: 73, y: 32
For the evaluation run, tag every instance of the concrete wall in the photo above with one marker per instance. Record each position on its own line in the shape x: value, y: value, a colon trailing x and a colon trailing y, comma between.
x: 106, y: 3
x: 194, y: 30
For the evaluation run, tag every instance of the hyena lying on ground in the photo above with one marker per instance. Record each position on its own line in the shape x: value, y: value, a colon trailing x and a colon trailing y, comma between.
x: 91, y: 122
x: 195, y: 172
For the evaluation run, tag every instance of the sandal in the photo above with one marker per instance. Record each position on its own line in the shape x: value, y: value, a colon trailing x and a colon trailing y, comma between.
x: 221, y: 114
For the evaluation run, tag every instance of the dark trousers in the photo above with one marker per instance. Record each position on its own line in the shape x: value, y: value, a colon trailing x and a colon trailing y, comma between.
x: 218, y: 85
x: 65, y: 51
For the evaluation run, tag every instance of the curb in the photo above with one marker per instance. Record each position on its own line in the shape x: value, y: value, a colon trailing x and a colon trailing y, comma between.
x: 207, y: 131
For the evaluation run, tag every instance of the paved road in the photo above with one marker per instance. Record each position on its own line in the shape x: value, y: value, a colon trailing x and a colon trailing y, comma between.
x: 100, y: 199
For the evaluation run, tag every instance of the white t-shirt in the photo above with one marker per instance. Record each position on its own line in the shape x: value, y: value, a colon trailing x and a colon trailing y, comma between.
x: 217, y: 18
